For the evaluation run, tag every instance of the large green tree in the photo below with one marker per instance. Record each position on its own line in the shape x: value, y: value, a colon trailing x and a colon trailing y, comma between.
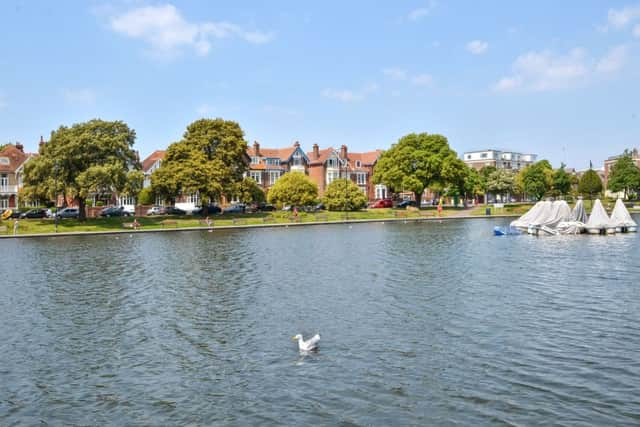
x: 536, y: 179
x: 590, y: 184
x: 501, y: 182
x: 561, y: 181
x: 210, y: 160
x: 293, y: 189
x: 414, y: 163
x: 87, y: 158
x: 624, y: 176
x: 484, y: 173
x: 344, y: 195
x: 248, y: 191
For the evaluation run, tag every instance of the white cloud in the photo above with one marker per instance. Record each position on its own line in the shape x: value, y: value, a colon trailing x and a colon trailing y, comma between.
x: 421, y: 12
x: 395, y: 73
x: 167, y: 32
x: 613, y: 61
x: 477, y: 47
x: 422, y: 80
x: 347, y: 95
x: 620, y: 18
x: 79, y: 96
x: 543, y: 71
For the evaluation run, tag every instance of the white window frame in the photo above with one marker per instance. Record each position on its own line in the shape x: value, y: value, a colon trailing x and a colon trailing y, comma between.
x: 273, y: 177
x: 4, y: 203
x: 159, y: 201
x: 381, y: 191
x: 332, y: 175
x: 126, y: 200
x: 358, y: 164
x: 193, y: 198
x: 256, y: 176
x: 5, y: 161
x: 361, y: 178
x: 4, y: 180
x: 272, y: 161
x: 255, y: 160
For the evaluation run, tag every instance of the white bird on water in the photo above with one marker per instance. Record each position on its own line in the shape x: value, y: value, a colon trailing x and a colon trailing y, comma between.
x: 308, y: 345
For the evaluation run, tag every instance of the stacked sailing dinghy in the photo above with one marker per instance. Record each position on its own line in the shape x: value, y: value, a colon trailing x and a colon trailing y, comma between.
x: 599, y: 222
x: 621, y: 219
x: 578, y: 219
x: 544, y: 218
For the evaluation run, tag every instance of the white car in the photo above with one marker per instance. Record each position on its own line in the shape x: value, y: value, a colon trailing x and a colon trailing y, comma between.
x: 156, y: 210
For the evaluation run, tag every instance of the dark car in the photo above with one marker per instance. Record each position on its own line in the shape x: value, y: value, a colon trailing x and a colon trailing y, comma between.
x: 262, y: 207
x: 405, y: 203
x: 35, y: 213
x: 114, y: 211
x: 68, y: 213
x: 171, y: 210
x: 238, y: 208
x: 210, y: 210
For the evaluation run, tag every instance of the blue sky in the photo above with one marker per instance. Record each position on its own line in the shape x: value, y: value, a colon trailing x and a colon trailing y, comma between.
x: 559, y: 79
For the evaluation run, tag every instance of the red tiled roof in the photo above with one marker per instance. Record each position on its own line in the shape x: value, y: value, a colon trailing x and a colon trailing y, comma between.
x: 152, y: 158
x: 366, y: 159
x: 16, y: 158
x: 279, y: 153
x: 324, y: 155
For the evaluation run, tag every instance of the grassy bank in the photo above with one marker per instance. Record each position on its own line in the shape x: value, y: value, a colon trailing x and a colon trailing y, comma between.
x: 47, y: 226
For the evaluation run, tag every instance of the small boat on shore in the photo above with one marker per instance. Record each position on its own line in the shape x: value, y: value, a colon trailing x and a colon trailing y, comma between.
x: 599, y: 222
x: 621, y: 219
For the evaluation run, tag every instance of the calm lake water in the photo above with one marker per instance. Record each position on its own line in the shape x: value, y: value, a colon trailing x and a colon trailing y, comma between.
x: 421, y: 324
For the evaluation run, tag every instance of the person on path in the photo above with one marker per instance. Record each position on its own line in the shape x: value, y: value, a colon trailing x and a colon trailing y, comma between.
x: 440, y: 207
x: 16, y: 224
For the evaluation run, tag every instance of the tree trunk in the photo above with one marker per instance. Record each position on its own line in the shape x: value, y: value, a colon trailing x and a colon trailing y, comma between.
x: 82, y: 211
x: 418, y: 197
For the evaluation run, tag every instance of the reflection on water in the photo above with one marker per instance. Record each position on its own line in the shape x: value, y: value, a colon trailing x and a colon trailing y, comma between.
x: 421, y: 323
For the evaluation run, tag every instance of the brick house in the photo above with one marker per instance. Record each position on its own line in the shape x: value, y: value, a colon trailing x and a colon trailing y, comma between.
x: 329, y: 164
x: 269, y: 164
x: 608, y: 164
x: 12, y: 160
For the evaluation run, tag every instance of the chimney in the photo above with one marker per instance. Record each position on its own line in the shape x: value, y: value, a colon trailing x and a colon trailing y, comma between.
x: 343, y: 152
x: 316, y: 152
x: 20, y: 146
x: 256, y: 148
x: 297, y: 144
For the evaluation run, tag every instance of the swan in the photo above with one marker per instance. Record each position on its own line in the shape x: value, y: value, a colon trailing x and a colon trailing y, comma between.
x: 309, y: 345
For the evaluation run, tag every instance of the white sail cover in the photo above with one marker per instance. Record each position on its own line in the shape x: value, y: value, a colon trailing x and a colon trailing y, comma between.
x: 529, y: 216
x: 620, y: 216
x: 578, y: 213
x: 547, y: 214
x: 598, y: 217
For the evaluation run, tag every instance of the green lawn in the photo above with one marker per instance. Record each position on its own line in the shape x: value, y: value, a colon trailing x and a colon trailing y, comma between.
x: 44, y: 226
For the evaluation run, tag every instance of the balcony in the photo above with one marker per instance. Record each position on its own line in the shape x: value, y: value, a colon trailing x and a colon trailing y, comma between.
x: 8, y: 189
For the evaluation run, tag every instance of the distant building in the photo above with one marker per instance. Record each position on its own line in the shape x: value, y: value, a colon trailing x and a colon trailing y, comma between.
x: 269, y: 164
x: 608, y: 164
x: 498, y: 159
x: 12, y: 160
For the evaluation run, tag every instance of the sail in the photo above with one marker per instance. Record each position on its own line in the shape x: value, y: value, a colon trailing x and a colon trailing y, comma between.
x: 598, y: 217
x: 579, y: 214
x: 620, y: 216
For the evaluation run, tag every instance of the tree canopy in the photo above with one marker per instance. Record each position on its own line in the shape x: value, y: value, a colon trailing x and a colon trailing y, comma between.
x: 561, y: 181
x: 501, y: 182
x: 624, y: 176
x: 416, y: 162
x: 248, y: 191
x: 84, y: 159
x: 537, y: 179
x: 590, y: 183
x: 210, y: 159
x: 344, y: 195
x: 293, y: 189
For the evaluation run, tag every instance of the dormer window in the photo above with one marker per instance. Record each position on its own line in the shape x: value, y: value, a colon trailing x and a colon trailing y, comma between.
x: 332, y: 163
x: 358, y: 164
x: 272, y: 161
x: 4, y: 161
x: 255, y: 160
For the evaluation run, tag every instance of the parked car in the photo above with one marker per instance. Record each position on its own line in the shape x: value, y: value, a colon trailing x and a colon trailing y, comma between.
x: 172, y: 210
x: 113, y: 211
x: 155, y: 210
x: 130, y: 209
x: 34, y: 213
x: 262, y: 207
x: 68, y: 213
x: 237, y: 208
x: 405, y: 203
x: 211, y: 210
x: 382, y: 203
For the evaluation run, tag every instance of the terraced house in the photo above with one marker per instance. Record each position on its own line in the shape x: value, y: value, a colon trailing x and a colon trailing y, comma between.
x: 269, y: 164
x: 12, y: 160
x: 330, y: 164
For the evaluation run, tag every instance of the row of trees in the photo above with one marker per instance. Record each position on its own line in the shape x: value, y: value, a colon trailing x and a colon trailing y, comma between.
x: 97, y: 157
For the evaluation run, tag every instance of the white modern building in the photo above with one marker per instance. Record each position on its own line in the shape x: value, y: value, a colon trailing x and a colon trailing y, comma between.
x: 498, y: 159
